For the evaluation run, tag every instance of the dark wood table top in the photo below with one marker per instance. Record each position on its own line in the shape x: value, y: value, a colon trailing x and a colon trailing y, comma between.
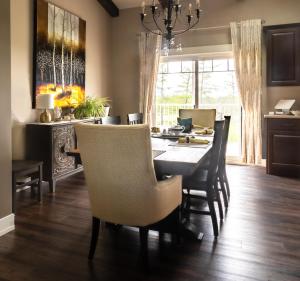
x: 170, y: 158
x: 179, y: 159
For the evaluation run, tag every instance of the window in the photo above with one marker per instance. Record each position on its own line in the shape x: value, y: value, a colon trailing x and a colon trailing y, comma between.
x: 207, y: 83
x: 174, y: 90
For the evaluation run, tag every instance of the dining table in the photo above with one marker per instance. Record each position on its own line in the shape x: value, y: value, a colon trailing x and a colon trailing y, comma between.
x: 173, y: 158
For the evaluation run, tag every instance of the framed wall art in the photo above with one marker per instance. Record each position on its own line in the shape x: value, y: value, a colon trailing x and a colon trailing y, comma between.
x: 58, y: 55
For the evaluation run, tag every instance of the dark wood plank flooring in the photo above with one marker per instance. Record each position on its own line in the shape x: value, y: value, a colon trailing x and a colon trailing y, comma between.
x: 259, y: 239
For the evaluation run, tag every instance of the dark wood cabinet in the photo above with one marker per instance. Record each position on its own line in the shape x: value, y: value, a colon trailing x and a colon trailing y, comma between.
x: 283, y: 55
x: 283, y: 146
x: 50, y: 143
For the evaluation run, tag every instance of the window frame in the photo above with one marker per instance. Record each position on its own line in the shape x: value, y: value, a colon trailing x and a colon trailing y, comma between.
x: 196, y: 87
x: 195, y: 60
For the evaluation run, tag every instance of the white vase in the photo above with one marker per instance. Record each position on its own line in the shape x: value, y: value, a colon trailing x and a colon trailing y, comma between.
x: 106, y: 111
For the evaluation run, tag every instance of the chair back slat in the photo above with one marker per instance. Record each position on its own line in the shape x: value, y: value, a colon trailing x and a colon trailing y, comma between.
x: 216, y: 151
x: 225, y: 140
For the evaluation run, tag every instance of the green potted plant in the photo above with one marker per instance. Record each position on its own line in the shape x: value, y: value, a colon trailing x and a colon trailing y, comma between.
x: 92, y: 107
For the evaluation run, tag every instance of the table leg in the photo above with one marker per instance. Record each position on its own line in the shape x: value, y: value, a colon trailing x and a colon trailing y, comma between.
x: 40, y: 184
x: 52, y: 185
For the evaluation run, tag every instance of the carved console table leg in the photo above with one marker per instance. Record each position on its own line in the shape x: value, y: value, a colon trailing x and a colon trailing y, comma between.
x: 52, y: 185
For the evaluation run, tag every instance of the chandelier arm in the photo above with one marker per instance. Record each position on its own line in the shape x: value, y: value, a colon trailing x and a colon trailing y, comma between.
x: 149, y: 30
x: 157, y: 25
x: 190, y: 27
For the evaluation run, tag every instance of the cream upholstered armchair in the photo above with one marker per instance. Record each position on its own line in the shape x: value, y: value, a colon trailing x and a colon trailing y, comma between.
x: 201, y: 117
x: 121, y: 180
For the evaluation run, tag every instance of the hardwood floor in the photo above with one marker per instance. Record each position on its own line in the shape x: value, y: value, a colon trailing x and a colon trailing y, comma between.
x: 259, y: 238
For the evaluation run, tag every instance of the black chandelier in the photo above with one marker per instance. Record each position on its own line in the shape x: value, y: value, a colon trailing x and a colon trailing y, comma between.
x: 165, y: 14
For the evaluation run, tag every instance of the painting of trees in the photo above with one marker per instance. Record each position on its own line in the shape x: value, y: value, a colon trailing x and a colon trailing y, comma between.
x: 59, y: 59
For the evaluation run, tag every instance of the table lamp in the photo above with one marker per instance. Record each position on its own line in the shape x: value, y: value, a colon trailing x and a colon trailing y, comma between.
x: 45, y: 101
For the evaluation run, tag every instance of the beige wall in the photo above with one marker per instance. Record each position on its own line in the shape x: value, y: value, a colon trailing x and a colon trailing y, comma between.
x: 98, y: 58
x: 5, y: 110
x: 216, y: 13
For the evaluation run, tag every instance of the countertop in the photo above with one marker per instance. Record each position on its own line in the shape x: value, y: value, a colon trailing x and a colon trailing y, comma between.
x: 282, y: 116
x: 65, y: 122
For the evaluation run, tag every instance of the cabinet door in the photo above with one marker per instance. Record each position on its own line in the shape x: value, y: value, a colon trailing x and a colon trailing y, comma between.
x: 286, y: 149
x: 63, y: 138
x: 283, y: 56
x: 284, y: 153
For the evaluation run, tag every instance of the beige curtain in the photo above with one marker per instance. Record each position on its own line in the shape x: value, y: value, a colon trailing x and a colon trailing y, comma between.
x: 149, y: 52
x: 246, y: 43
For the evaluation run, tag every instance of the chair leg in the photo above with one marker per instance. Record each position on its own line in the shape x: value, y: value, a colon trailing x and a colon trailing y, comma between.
x: 217, y: 194
x: 144, y: 245
x: 212, y: 210
x: 177, y: 225
x: 94, y: 239
x: 225, y: 180
x: 187, y: 204
x: 224, y: 193
x: 32, y: 190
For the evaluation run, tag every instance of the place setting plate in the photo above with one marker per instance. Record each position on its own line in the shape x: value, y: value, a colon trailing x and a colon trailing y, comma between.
x: 194, y: 144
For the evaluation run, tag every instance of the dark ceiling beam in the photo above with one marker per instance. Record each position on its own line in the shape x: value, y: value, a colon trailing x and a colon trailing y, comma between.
x: 110, y: 7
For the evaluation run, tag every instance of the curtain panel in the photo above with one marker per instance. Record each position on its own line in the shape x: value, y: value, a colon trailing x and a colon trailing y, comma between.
x: 149, y: 53
x: 247, y: 48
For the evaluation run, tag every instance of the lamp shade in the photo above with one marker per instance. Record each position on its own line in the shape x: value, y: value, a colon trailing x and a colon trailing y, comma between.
x: 45, y: 101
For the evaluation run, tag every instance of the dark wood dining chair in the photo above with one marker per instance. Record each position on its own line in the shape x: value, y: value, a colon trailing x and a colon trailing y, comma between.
x: 222, y: 176
x: 110, y: 120
x: 205, y: 180
x: 134, y: 118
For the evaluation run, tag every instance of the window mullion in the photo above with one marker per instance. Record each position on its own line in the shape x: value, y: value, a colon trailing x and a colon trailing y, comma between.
x: 196, y: 84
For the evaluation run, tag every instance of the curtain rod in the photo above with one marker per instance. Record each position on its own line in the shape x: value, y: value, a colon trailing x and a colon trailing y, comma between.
x: 210, y: 27
x: 216, y: 27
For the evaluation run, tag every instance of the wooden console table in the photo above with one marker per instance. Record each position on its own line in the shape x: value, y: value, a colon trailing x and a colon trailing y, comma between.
x: 50, y: 142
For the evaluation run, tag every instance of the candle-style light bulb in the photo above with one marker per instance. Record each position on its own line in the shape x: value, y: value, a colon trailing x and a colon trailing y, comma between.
x: 198, y: 4
x: 190, y: 8
x: 143, y: 7
x: 153, y: 3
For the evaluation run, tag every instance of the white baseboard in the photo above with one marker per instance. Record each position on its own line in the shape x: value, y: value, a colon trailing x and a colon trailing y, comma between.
x: 7, y: 224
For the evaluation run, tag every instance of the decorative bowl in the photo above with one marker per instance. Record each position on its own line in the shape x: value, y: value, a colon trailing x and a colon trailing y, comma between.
x: 176, y: 130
